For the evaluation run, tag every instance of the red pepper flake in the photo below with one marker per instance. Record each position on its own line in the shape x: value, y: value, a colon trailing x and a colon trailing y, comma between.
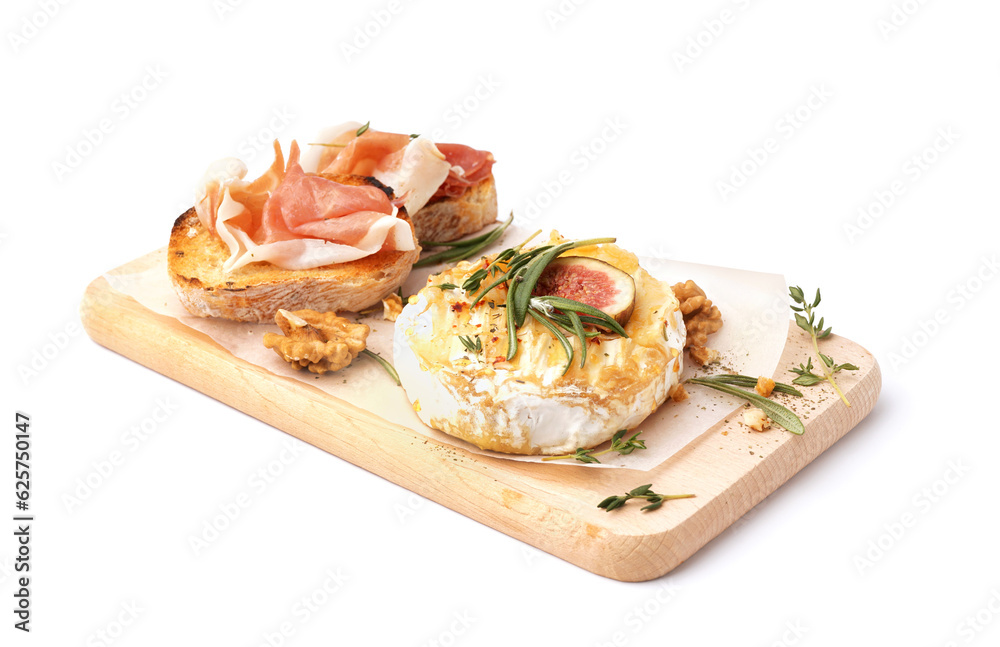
x: 457, y: 307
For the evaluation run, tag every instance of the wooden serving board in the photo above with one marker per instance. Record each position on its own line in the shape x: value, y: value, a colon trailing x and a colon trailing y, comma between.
x: 729, y: 468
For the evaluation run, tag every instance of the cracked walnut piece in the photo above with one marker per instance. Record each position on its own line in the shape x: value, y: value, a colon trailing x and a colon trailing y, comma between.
x: 317, y: 341
x: 392, y: 305
x: 701, y: 319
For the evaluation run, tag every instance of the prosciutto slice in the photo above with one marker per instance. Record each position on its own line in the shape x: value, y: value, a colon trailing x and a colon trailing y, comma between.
x: 468, y: 168
x: 416, y: 168
x: 293, y: 219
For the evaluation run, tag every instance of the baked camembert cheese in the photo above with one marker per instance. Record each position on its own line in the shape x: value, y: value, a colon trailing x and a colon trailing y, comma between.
x: 533, y: 404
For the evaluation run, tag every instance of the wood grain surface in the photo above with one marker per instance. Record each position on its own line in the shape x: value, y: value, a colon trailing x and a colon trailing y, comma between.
x: 552, y: 507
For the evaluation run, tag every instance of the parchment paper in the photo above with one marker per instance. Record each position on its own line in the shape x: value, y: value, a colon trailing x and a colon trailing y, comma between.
x: 754, y: 308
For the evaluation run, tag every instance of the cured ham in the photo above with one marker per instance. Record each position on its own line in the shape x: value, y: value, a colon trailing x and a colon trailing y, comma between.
x: 417, y: 169
x: 468, y: 168
x: 293, y: 219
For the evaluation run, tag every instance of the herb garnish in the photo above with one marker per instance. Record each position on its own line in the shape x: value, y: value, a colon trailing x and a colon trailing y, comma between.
x: 462, y: 249
x: 385, y: 364
x: 779, y: 414
x: 445, y: 286
x: 816, y: 331
x: 746, y: 380
x: 520, y: 271
x: 641, y: 492
x: 363, y: 129
x: 618, y: 444
x: 471, y: 346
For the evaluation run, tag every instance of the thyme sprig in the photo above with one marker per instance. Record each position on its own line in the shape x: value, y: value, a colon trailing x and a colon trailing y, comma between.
x: 359, y: 132
x: 642, y: 492
x: 475, y: 347
x: 618, y: 444
x: 807, y: 322
x: 462, y: 249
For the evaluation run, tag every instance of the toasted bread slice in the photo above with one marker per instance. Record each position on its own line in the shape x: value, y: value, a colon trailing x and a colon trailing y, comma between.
x: 444, y: 219
x: 256, y: 291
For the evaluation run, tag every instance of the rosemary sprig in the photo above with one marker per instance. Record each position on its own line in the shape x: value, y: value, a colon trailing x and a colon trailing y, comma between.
x: 641, y: 492
x: 779, y: 414
x: 385, y: 364
x: 460, y: 250
x: 618, y: 444
x: 548, y: 303
x: 807, y: 322
x: 520, y: 271
x: 445, y: 286
x: 470, y: 345
x: 361, y: 131
x: 558, y: 334
x: 534, y: 271
x: 751, y: 382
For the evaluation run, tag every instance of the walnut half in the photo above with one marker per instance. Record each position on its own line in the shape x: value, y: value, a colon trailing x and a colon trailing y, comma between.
x: 701, y: 319
x: 317, y: 341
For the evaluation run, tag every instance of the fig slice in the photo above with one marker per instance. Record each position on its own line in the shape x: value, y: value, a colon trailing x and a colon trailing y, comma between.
x: 590, y: 281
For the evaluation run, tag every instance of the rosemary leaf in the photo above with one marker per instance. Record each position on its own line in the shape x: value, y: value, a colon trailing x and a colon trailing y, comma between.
x: 467, y: 249
x: 751, y: 382
x: 580, y: 334
x: 509, y: 311
x: 385, y: 364
x: 779, y: 414
x: 567, y: 346
x: 569, y: 305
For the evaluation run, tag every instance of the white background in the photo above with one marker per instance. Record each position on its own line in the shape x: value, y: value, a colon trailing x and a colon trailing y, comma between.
x: 794, y: 571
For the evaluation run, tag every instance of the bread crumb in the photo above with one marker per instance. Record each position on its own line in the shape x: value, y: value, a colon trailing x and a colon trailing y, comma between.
x: 756, y: 419
x: 678, y: 394
x: 764, y: 386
